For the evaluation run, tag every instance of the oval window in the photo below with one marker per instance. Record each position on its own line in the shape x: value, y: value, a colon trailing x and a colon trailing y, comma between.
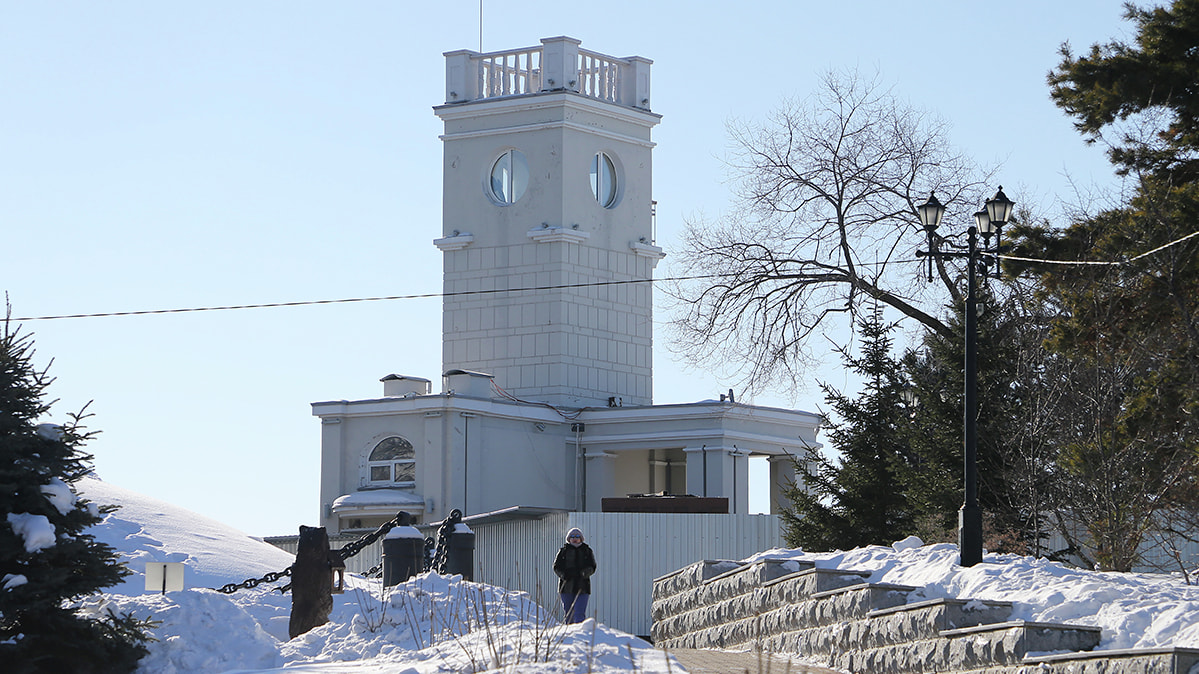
x: 603, y: 180
x: 509, y: 177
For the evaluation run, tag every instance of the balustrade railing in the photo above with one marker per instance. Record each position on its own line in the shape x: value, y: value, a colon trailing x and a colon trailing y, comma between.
x: 510, y: 73
x: 600, y: 76
x: 556, y: 65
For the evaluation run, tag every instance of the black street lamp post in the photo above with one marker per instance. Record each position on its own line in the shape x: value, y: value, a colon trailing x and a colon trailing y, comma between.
x: 987, y: 222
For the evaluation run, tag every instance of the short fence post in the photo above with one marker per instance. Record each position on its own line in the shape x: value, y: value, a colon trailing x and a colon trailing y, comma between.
x: 403, y: 555
x: 460, y: 558
x: 311, y: 582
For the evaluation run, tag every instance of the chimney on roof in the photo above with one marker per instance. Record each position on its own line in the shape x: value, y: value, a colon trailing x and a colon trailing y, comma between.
x: 399, y: 386
x: 467, y: 383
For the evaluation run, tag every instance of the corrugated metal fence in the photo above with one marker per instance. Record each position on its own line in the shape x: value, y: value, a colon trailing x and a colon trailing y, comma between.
x: 631, y: 549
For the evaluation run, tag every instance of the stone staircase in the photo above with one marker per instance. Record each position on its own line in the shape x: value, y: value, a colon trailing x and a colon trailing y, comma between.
x: 836, y: 618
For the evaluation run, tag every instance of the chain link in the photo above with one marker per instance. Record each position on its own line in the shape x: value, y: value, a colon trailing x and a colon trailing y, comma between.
x: 443, y: 541
x: 255, y: 582
x: 346, y: 551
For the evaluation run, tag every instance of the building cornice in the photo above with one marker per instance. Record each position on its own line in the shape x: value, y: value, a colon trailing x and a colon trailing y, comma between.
x: 704, y: 410
x: 450, y: 112
x: 437, y: 404
x: 715, y: 438
x: 541, y: 126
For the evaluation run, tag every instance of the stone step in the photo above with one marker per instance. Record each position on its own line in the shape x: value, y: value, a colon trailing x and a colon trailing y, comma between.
x: 689, y: 577
x: 880, y: 628
x: 736, y: 596
x: 740, y: 580
x: 748, y: 620
x: 983, y: 648
x: 1124, y: 661
x: 830, y: 607
x: 927, y: 619
x: 697, y: 574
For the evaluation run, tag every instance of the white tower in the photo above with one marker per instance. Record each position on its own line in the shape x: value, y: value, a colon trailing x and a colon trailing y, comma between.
x: 548, y: 223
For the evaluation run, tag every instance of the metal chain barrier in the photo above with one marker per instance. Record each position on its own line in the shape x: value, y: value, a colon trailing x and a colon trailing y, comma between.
x: 254, y: 582
x: 349, y: 550
x: 443, y: 541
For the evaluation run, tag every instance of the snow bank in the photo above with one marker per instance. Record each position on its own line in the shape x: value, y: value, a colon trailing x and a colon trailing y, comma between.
x: 1135, y: 610
x: 430, y: 624
x: 441, y: 623
x: 148, y: 530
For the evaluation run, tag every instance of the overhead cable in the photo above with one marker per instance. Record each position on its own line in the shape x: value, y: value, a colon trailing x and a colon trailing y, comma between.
x: 535, y: 288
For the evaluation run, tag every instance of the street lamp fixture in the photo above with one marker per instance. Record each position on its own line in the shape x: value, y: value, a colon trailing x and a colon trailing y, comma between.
x: 988, y: 222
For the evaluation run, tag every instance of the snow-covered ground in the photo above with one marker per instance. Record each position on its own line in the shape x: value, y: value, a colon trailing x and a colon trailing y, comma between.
x: 430, y: 624
x: 444, y: 624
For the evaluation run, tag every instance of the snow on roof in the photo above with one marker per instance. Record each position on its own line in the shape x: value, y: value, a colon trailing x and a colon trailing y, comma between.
x: 378, y: 497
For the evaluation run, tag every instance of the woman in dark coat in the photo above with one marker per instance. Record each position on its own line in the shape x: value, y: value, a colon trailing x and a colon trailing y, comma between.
x: 574, y: 565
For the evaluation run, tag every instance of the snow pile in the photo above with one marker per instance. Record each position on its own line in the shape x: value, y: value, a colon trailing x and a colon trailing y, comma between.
x: 1135, y: 610
x: 430, y: 624
x: 148, y: 530
x: 441, y: 623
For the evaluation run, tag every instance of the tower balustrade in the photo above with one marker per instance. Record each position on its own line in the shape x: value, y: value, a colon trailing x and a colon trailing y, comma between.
x: 559, y: 64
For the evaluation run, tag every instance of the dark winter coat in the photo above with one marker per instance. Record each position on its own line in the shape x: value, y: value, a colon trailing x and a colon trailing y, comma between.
x: 574, y: 567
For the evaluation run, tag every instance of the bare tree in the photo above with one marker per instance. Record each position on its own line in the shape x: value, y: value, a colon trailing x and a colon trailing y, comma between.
x: 828, y: 190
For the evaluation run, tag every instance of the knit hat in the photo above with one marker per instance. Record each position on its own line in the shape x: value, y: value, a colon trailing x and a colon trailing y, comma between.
x: 574, y: 532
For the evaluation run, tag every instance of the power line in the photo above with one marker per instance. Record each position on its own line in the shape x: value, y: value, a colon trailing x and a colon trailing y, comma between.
x: 1096, y: 263
x: 596, y: 284
x: 272, y: 305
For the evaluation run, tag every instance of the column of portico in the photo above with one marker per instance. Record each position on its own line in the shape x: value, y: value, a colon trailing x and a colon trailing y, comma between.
x: 738, y: 481
x: 719, y: 471
x: 600, y: 479
x: 782, y: 476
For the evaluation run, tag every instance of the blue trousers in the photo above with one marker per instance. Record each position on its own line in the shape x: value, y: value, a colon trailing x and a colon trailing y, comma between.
x: 574, y: 606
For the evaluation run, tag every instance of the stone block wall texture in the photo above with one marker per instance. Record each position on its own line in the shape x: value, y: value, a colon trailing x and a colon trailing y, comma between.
x: 836, y: 618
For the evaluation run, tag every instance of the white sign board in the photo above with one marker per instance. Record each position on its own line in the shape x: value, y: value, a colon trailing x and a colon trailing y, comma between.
x: 164, y: 576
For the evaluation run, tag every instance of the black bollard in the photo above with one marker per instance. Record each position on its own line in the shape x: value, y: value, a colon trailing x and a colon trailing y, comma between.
x: 403, y: 555
x: 460, y: 558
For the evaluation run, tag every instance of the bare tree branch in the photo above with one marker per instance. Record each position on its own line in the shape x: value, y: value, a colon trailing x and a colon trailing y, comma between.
x: 828, y: 190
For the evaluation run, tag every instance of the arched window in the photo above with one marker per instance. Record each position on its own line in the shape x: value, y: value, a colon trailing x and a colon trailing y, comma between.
x: 392, y: 463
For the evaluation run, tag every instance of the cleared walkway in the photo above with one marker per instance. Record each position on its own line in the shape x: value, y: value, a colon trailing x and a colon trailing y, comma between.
x: 702, y: 661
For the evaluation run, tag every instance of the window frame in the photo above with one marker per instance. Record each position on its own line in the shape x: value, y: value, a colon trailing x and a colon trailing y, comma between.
x: 508, y: 187
x: 390, y: 464
x: 604, y: 177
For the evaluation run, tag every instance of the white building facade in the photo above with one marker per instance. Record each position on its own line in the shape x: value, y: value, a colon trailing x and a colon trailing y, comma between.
x: 545, y: 396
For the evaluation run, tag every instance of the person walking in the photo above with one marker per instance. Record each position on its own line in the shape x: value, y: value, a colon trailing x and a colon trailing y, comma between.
x: 574, y: 565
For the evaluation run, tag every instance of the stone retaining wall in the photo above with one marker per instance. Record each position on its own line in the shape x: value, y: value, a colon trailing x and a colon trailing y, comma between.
x: 836, y: 618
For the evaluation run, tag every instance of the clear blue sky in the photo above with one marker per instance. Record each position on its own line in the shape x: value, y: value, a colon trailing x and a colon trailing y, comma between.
x: 162, y: 155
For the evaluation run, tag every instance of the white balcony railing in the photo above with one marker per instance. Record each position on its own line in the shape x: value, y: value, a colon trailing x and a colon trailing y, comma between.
x: 599, y: 76
x: 557, y: 65
x: 509, y: 73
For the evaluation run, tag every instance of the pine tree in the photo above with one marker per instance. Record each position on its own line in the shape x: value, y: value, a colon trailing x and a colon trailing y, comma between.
x: 47, y: 559
x: 858, y: 501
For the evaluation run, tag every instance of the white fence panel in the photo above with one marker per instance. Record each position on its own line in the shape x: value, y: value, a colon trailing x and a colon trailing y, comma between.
x: 631, y: 550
